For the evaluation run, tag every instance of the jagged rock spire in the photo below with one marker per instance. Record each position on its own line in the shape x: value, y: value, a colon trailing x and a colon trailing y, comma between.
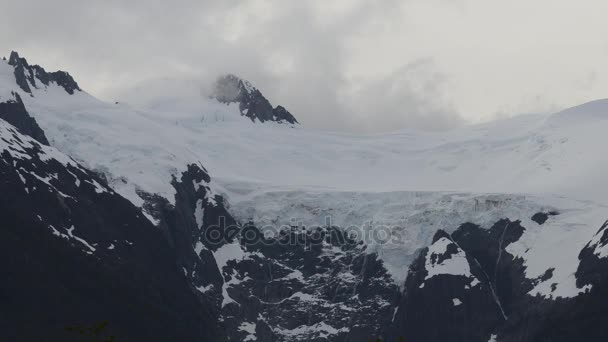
x: 232, y: 89
x: 21, y: 67
x: 28, y: 76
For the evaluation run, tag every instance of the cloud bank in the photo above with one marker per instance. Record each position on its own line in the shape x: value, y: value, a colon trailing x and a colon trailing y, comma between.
x: 364, y: 66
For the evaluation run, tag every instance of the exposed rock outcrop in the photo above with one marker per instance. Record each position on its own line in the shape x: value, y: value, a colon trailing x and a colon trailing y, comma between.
x: 14, y: 112
x: 79, y: 259
x: 252, y: 104
x: 28, y: 76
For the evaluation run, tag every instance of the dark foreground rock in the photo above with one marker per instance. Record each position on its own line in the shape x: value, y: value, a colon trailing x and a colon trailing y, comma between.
x: 78, y: 258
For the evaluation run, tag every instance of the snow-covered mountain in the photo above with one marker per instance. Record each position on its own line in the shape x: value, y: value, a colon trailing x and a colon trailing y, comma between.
x: 485, y: 232
x: 79, y: 259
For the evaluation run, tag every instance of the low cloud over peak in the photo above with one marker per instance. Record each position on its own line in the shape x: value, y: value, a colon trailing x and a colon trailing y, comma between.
x: 345, y: 65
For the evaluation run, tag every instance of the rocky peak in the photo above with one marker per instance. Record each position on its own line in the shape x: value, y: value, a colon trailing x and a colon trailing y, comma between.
x: 252, y: 104
x: 28, y: 76
x: 21, y: 66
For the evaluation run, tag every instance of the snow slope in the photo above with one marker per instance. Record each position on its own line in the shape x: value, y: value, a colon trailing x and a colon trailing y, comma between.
x: 273, y: 173
x: 540, y: 154
x: 529, y: 154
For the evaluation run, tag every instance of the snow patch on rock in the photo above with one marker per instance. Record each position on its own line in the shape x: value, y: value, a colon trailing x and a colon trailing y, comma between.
x: 455, y: 264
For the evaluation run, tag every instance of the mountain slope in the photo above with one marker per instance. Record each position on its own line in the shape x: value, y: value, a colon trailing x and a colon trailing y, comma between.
x: 467, y: 286
x: 539, y: 154
x: 79, y: 257
x: 216, y: 283
x: 487, y: 232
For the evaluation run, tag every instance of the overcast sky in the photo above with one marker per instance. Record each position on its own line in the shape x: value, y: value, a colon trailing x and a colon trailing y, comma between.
x: 342, y: 64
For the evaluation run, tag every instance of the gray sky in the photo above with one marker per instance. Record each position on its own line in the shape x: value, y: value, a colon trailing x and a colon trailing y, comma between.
x: 343, y: 65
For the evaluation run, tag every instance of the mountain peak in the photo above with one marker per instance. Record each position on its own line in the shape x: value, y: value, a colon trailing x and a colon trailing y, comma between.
x: 252, y: 104
x: 34, y: 76
x: 14, y: 59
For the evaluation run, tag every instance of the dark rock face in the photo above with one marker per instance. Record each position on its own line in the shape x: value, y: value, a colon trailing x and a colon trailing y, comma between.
x: 187, y: 233
x: 77, y: 257
x: 308, y: 285
x: 231, y: 89
x: 14, y: 112
x: 28, y: 76
x: 498, y: 307
x: 542, y: 217
x: 444, y: 303
x: 300, y: 285
x: 317, y: 284
x: 582, y: 318
x: 21, y: 73
x: 281, y: 114
x: 487, y: 247
x: 591, y: 266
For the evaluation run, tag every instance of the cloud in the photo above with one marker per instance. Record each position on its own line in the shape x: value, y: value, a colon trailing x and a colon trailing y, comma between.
x: 343, y: 65
x: 412, y: 96
x: 296, y: 52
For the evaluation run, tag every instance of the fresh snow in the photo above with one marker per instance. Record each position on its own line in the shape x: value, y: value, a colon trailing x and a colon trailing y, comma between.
x: 226, y: 253
x: 556, y: 244
x: 204, y: 289
x: 455, y: 264
x: 198, y: 248
x: 249, y: 328
x: 199, y: 213
x: 322, y: 330
x: 82, y: 241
